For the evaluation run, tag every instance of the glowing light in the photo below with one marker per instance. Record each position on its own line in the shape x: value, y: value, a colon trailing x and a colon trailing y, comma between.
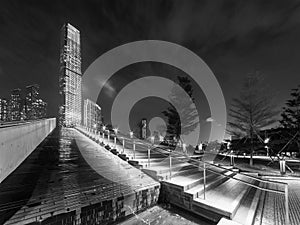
x: 152, y: 139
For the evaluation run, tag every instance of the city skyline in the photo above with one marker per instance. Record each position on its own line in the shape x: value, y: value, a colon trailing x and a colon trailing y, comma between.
x: 256, y: 46
x: 23, y: 105
x: 150, y: 112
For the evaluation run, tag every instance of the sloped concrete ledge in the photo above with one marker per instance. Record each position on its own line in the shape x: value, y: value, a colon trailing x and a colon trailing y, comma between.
x: 18, y: 142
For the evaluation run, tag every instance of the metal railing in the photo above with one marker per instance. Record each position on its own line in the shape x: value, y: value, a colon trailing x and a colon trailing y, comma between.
x: 206, y: 166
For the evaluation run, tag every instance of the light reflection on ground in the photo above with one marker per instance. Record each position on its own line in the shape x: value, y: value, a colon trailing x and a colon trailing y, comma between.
x: 159, y: 215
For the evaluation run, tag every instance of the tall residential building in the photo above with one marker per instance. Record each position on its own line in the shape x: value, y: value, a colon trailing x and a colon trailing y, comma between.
x: 91, y: 114
x: 35, y: 107
x: 3, y: 109
x: 70, y: 77
x: 144, y: 128
x: 40, y: 109
x: 31, y: 97
x: 15, y: 105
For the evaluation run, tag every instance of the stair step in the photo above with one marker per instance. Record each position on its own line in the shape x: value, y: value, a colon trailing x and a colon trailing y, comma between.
x: 185, y: 173
x: 224, y: 199
x: 186, y: 182
x: 212, y: 180
x: 163, y: 172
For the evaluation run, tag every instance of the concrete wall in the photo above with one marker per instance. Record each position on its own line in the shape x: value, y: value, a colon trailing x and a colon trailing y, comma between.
x: 17, y: 142
x: 109, y: 211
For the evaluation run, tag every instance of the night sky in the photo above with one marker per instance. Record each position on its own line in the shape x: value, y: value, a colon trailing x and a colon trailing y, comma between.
x: 234, y: 38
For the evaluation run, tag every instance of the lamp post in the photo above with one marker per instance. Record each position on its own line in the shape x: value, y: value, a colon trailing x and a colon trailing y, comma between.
x: 231, y: 158
x: 133, y: 143
x: 152, y: 144
x: 115, y: 138
x: 103, y: 131
x: 266, y: 141
x: 108, y: 137
x: 94, y: 131
x: 184, y: 147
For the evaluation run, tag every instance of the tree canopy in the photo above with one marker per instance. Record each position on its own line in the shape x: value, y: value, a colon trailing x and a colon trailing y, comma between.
x: 252, y: 111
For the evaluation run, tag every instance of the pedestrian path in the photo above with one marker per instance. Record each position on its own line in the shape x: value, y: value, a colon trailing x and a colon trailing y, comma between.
x: 223, y: 193
x: 73, y: 181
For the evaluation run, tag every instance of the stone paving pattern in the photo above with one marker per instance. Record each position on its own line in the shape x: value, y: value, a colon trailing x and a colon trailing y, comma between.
x: 67, y: 190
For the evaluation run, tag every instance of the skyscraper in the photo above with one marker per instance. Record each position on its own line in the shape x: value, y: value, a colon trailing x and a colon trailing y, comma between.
x: 32, y: 95
x: 3, y: 109
x: 40, y: 109
x: 70, y: 77
x: 15, y: 105
x: 91, y: 114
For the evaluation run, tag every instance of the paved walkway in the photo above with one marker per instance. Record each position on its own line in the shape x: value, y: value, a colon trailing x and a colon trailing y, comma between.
x: 158, y: 215
x: 59, y: 177
x: 272, y: 212
x: 111, y: 166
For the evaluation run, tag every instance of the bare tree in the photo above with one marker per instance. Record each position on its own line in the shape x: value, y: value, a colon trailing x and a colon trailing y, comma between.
x: 291, y: 118
x: 252, y: 111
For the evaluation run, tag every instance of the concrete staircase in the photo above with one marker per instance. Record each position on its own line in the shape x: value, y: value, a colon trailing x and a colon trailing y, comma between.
x: 227, y: 196
x: 183, y: 185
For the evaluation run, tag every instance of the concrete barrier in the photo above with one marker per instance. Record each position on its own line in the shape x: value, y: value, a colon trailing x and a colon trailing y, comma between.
x: 17, y: 143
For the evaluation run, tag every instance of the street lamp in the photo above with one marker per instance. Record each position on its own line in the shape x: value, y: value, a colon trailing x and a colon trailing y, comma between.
x: 184, y: 147
x: 103, y: 131
x: 231, y: 158
x: 123, y: 144
x: 152, y: 138
x: 108, y: 137
x: 115, y: 138
x: 266, y: 141
x: 152, y: 142
x: 133, y: 143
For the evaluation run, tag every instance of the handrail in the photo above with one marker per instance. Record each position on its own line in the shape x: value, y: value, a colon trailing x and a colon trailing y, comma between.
x: 246, y: 175
x: 252, y: 177
x: 285, y: 192
x: 154, y: 148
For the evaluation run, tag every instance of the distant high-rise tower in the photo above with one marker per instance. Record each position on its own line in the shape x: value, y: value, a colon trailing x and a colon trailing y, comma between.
x: 144, y: 128
x: 3, y: 109
x: 15, y: 105
x: 70, y: 77
x: 32, y: 95
x: 91, y: 114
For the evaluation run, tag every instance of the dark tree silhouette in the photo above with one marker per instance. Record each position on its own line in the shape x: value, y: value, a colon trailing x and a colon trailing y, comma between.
x: 291, y: 118
x: 252, y: 111
x: 182, y: 117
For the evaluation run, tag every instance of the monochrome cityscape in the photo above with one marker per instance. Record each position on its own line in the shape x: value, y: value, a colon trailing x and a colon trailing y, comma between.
x: 126, y: 114
x: 22, y: 106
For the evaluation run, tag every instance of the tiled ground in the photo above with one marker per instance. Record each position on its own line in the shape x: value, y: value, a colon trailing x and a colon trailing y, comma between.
x: 59, y: 178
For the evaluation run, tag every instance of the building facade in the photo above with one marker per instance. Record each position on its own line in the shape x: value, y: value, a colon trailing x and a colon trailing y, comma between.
x: 15, y: 105
x: 144, y: 128
x: 3, y: 109
x: 31, y: 97
x: 91, y: 114
x: 40, y: 109
x: 70, y: 77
